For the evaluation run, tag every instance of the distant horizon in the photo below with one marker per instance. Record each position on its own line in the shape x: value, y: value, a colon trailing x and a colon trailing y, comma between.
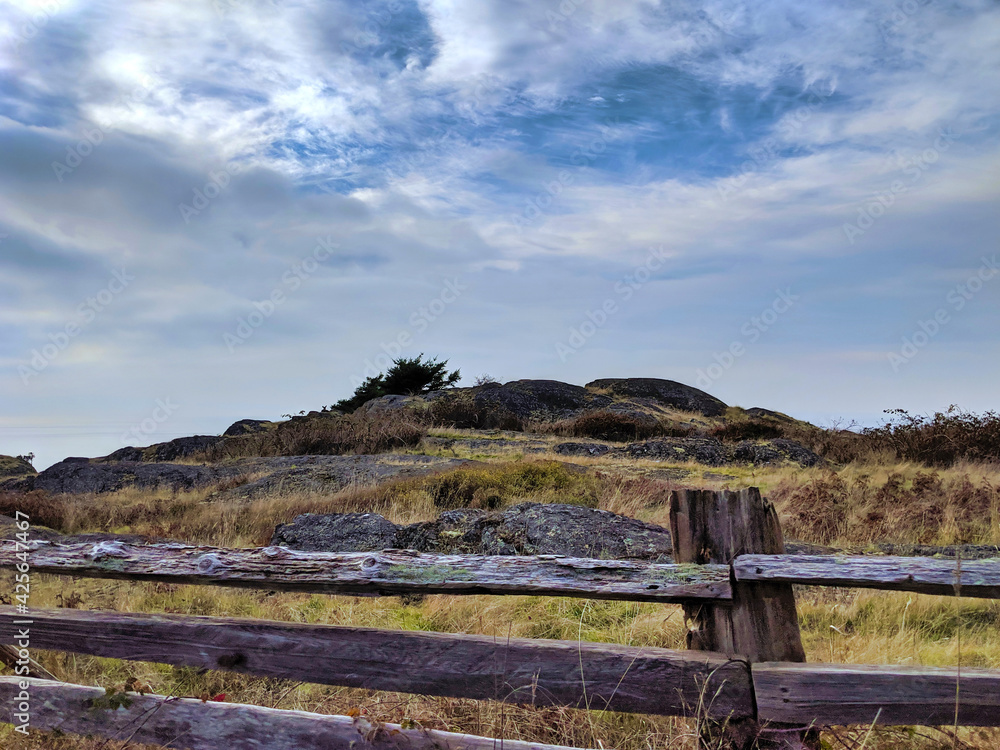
x: 212, y: 211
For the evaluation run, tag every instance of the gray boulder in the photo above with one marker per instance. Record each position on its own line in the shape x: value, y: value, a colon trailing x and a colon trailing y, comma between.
x: 539, y: 399
x: 525, y: 529
x: 708, y: 451
x: 337, y: 532
x: 246, y: 427
x: 775, y: 451
x: 759, y: 413
x: 83, y: 477
x: 169, y: 451
x: 581, y: 449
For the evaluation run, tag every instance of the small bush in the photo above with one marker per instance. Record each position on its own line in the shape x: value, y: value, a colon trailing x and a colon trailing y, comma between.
x: 610, y: 425
x: 747, y: 429
x: 325, y: 435
x: 41, y: 509
x: 461, y: 411
x: 940, y: 440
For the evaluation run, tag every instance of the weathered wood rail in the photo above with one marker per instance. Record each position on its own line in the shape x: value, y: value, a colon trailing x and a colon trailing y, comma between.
x: 191, y: 724
x: 843, y: 694
x: 387, y: 573
x: 924, y: 575
x: 516, y: 670
x: 744, y: 670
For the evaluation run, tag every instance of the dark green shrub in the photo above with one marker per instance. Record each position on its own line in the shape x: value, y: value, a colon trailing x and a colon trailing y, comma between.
x: 406, y: 377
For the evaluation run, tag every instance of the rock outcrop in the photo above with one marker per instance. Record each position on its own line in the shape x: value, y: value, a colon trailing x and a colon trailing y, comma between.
x: 76, y: 476
x: 347, y: 532
x: 540, y: 399
x: 281, y: 474
x: 246, y: 427
x: 665, y: 392
x: 172, y: 450
x: 773, y: 451
x: 708, y: 451
x: 15, y: 466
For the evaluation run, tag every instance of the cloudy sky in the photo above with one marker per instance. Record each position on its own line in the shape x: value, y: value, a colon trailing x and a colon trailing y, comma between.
x: 228, y: 209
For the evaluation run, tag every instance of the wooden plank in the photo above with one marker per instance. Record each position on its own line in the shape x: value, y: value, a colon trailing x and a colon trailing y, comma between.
x: 925, y: 575
x: 620, y: 678
x: 833, y: 694
x: 717, y: 527
x: 762, y: 623
x: 189, y: 724
x: 380, y: 573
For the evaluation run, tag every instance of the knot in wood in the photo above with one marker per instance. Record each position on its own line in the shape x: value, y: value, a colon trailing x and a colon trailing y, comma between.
x: 369, y: 562
x: 275, y: 553
x: 209, y: 564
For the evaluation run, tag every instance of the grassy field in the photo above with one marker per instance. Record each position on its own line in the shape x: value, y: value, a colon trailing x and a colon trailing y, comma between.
x: 854, y: 505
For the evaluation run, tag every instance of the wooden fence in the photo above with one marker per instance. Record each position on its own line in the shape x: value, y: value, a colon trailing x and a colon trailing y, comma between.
x: 743, y: 672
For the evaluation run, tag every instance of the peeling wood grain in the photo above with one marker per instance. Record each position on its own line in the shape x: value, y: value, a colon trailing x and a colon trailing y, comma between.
x: 717, y: 527
x: 834, y: 694
x: 538, y: 672
x: 979, y: 578
x: 390, y: 572
x: 189, y: 724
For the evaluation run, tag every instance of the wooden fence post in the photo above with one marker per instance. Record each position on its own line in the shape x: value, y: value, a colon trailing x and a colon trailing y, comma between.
x: 762, y: 623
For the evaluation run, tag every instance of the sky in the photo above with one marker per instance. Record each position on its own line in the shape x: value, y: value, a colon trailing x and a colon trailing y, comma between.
x: 219, y: 209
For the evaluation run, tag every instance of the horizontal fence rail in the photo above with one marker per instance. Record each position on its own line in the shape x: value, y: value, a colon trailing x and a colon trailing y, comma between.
x: 578, y: 674
x: 842, y: 694
x: 191, y: 724
x: 924, y: 575
x: 390, y: 572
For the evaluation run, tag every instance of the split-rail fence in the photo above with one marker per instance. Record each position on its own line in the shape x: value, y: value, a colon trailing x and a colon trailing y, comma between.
x: 743, y: 674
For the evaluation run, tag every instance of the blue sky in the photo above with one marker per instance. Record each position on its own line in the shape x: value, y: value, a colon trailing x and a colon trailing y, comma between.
x: 232, y: 209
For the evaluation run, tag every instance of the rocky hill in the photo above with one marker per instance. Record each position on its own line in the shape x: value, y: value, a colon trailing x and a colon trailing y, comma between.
x: 619, y: 418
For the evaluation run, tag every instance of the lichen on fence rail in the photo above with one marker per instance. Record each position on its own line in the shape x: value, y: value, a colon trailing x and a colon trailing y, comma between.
x: 978, y: 578
x: 390, y: 572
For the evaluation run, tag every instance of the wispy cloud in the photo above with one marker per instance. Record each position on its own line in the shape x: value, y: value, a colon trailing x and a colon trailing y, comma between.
x: 536, y: 151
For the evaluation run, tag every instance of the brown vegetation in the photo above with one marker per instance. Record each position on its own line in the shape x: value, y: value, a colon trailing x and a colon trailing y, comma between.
x: 323, y: 434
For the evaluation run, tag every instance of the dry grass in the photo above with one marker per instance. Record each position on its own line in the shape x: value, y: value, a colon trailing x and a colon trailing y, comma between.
x: 820, y: 505
x: 322, y: 434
